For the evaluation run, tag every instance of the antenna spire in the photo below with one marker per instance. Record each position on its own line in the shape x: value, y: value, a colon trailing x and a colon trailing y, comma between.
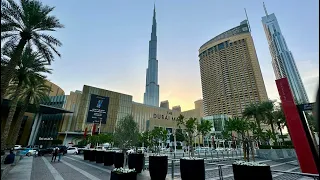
x: 245, y: 11
x: 265, y: 9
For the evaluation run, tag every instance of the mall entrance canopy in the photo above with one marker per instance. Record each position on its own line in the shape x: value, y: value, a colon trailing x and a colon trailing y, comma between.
x: 38, y: 111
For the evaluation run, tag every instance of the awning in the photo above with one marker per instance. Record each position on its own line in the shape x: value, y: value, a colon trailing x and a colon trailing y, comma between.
x: 43, y: 109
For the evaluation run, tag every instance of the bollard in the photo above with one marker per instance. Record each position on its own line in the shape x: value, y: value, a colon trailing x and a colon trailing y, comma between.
x: 174, y: 155
x: 172, y: 169
x: 228, y: 157
x: 220, y: 173
x: 218, y: 155
x: 211, y: 156
x: 222, y: 156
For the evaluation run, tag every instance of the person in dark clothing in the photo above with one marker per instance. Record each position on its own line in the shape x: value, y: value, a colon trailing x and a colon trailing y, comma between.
x: 54, y: 154
x: 10, y: 158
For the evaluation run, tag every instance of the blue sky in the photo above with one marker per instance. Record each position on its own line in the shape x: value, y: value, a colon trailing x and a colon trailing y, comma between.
x: 105, y: 43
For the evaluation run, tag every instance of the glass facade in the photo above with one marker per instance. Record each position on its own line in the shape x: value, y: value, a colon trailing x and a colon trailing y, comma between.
x: 50, y: 123
x: 282, y: 60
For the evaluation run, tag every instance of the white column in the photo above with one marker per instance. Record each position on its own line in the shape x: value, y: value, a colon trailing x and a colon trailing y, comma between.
x: 35, y: 129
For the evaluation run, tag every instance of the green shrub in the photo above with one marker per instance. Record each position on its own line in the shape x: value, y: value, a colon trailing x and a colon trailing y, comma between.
x: 287, y: 143
x: 276, y: 147
x: 264, y: 147
x: 179, y: 147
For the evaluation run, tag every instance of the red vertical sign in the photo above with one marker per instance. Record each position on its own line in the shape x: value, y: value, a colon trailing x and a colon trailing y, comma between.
x: 295, y: 127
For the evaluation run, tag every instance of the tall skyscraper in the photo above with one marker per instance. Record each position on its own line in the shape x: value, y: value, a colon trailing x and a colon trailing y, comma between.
x: 151, y: 95
x: 230, y: 73
x: 282, y: 60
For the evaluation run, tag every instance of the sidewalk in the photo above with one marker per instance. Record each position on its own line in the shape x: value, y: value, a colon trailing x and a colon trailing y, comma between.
x: 21, y: 171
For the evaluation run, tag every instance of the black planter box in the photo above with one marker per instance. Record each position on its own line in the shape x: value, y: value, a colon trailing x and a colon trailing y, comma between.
x: 118, y: 159
x: 108, y: 158
x: 158, y: 167
x: 136, y: 161
x: 99, y: 156
x: 251, y: 172
x: 85, y: 154
x: 125, y: 176
x: 92, y: 155
x: 192, y: 169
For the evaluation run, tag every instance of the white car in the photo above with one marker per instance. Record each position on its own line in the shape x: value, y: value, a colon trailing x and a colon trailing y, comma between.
x: 17, y: 147
x: 72, y: 150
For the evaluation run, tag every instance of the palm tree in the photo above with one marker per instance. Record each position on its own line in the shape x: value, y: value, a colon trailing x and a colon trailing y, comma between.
x: 35, y: 91
x: 254, y: 111
x: 25, y: 23
x: 240, y: 126
x: 280, y: 120
x: 31, y: 65
x: 268, y: 115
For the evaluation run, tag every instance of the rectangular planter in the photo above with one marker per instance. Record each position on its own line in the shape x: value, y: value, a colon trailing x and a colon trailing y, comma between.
x: 126, y: 176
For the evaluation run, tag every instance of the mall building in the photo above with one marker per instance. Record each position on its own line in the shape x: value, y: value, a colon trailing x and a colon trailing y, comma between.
x: 66, y: 117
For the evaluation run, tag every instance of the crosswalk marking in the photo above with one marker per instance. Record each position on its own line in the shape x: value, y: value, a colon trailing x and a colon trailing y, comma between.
x: 56, y: 175
x: 105, y: 170
x: 85, y: 173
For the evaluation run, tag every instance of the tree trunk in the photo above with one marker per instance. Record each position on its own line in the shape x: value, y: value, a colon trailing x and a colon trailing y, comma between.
x: 251, y: 146
x: 279, y: 126
x: 8, y: 72
x: 16, y: 129
x: 12, y: 110
x: 274, y: 134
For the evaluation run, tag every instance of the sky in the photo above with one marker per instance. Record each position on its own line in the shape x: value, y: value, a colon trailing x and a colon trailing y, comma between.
x: 105, y: 43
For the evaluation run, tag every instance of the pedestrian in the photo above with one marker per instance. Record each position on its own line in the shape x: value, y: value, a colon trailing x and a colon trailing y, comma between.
x: 54, y: 154
x: 60, y: 154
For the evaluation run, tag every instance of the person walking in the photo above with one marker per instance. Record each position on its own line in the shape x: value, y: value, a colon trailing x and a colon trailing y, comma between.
x: 54, y: 154
x: 60, y: 154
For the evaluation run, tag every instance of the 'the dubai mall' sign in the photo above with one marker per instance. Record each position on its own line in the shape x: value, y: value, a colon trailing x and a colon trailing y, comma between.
x: 98, y: 109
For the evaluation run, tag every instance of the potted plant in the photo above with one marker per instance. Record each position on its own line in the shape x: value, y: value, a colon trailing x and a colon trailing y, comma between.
x: 123, y: 174
x: 108, y: 157
x: 158, y: 163
x: 99, y: 156
x: 191, y: 167
x: 92, y: 155
x: 85, y: 154
x: 251, y: 171
x: 126, y: 135
x: 118, y: 159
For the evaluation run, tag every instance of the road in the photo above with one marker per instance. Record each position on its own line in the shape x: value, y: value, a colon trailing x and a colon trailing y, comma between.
x: 73, y: 167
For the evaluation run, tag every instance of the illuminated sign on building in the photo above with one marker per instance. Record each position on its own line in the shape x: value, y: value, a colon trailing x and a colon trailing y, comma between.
x: 167, y: 116
x: 98, y: 109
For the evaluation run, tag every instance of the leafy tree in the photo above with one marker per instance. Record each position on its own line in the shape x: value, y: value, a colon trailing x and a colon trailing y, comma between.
x: 190, y: 127
x: 269, y: 117
x: 280, y: 120
x: 159, y: 134
x: 204, y: 127
x: 32, y: 65
x: 179, y: 135
x: 145, y: 138
x: 254, y: 111
x: 25, y: 23
x: 126, y: 133
x: 240, y: 126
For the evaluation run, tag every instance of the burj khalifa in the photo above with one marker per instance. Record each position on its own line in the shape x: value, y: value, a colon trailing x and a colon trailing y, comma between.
x: 151, y: 95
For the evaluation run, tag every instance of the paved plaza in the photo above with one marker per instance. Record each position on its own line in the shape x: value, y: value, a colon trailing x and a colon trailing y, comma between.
x: 73, y: 167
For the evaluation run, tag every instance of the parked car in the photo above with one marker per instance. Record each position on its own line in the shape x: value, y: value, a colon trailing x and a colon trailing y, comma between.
x: 72, y: 150
x: 28, y: 151
x: 17, y: 147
